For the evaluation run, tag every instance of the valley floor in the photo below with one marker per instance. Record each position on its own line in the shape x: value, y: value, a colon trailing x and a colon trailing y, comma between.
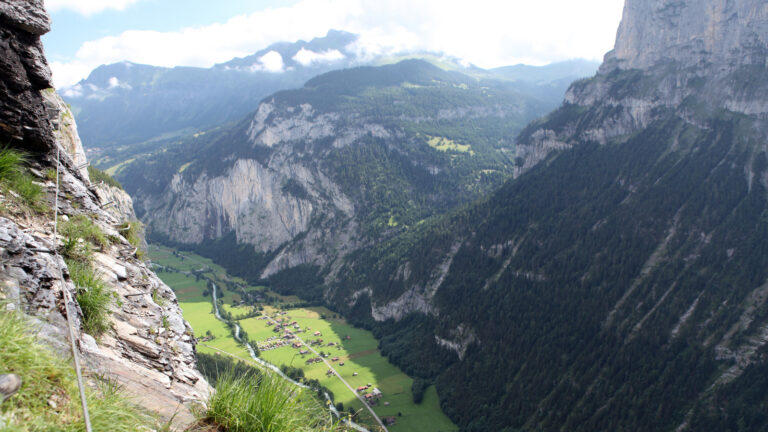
x: 358, y: 359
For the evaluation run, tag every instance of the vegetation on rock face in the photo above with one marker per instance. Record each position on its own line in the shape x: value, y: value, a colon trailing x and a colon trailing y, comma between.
x: 133, y: 231
x: 81, y: 227
x: 92, y: 295
x: 15, y: 178
x: 81, y: 235
x: 49, y: 399
x: 96, y: 175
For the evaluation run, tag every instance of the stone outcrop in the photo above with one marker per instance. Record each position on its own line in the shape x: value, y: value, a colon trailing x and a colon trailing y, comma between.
x: 674, y: 55
x: 23, y: 73
x: 150, y: 349
x: 269, y: 204
x: 691, y: 33
x: 65, y: 131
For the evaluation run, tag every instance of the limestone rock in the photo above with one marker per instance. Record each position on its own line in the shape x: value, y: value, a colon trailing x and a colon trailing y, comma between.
x: 692, y: 33
x: 684, y: 56
x: 65, y: 130
x: 249, y: 198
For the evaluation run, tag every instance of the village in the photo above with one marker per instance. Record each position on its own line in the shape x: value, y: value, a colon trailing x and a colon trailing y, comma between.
x: 286, y: 330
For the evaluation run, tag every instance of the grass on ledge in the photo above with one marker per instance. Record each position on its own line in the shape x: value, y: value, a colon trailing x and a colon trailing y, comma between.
x: 48, y: 399
x: 82, y: 227
x: 264, y: 402
x: 92, y: 295
x: 96, y: 175
x: 14, y: 177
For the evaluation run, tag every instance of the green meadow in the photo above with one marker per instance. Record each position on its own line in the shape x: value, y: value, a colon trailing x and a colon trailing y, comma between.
x: 198, y: 310
x: 356, y: 348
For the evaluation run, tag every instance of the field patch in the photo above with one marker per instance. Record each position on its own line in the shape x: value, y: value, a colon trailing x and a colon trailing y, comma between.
x: 447, y: 145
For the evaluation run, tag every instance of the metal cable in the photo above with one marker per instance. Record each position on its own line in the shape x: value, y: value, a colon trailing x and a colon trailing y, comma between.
x: 68, y: 299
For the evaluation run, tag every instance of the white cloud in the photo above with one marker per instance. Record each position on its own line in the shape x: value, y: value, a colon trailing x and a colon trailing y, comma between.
x: 88, y: 7
x: 269, y: 62
x: 307, y: 57
x: 488, y: 33
x: 75, y: 91
x: 114, y: 82
x: 65, y: 74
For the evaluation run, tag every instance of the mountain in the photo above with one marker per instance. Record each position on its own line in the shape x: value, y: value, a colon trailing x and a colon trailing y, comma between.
x: 352, y: 157
x: 125, y: 104
x: 620, y: 280
x: 543, y: 74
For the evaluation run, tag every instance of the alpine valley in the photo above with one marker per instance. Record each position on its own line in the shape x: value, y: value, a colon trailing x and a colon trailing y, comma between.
x: 353, y: 157
x: 599, y: 267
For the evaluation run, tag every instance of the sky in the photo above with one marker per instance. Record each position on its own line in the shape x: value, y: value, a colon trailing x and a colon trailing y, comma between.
x: 487, y: 33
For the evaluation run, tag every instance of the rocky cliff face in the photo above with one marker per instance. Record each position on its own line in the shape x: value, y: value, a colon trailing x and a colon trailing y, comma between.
x: 353, y: 157
x: 150, y: 349
x: 690, y: 33
x: 253, y: 198
x: 669, y: 54
x: 22, y: 63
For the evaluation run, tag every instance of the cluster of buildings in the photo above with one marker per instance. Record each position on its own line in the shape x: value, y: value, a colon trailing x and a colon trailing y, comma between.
x: 272, y: 343
x: 371, y: 398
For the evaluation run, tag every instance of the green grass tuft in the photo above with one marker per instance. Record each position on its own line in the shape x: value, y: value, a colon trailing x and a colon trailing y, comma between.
x: 82, y: 227
x: 30, y: 192
x: 11, y: 164
x: 74, y: 250
x: 14, y: 177
x: 50, y: 381
x: 157, y: 298
x: 92, y: 295
x: 134, y: 232
x: 265, y: 402
x: 96, y: 175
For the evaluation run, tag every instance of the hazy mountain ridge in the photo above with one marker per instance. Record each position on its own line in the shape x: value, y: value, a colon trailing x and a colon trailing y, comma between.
x: 128, y: 104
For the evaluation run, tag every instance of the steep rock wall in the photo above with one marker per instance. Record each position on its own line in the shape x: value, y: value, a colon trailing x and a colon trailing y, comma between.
x: 25, y: 72
x: 691, y: 33
x: 669, y: 55
x: 150, y: 349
